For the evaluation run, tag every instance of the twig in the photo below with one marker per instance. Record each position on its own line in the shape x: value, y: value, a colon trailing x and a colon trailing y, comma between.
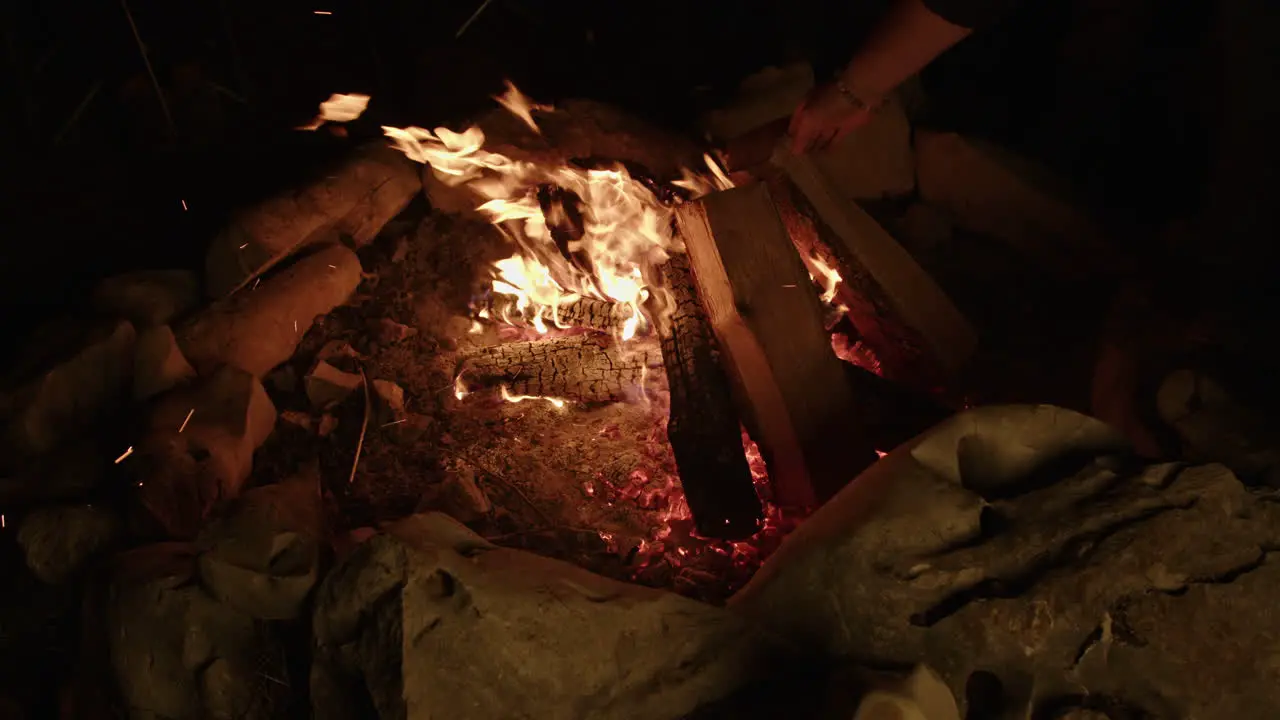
x: 155, y: 82
x: 364, y: 425
x: 474, y: 16
x: 75, y: 115
x: 505, y: 483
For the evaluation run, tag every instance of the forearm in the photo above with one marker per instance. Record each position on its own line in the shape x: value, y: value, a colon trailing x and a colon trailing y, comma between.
x: 908, y: 37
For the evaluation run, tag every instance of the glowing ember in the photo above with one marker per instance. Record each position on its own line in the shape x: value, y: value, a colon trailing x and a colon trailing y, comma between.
x: 558, y: 403
x: 460, y: 390
x: 124, y: 455
x: 339, y: 108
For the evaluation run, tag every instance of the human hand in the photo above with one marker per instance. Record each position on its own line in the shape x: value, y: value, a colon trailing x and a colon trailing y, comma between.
x: 824, y: 117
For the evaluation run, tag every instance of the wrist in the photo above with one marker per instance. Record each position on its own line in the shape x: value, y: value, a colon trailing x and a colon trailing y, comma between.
x: 857, y: 95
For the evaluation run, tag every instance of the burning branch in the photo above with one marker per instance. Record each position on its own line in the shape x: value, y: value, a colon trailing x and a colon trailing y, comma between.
x: 585, y: 368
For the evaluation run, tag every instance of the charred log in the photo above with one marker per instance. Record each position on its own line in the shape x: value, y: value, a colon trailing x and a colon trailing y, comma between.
x: 585, y: 368
x: 585, y: 313
x: 704, y: 428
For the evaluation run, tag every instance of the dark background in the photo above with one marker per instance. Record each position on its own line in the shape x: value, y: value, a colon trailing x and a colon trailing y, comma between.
x: 1120, y: 95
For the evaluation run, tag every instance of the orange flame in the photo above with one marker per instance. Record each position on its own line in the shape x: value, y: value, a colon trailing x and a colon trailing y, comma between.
x: 339, y: 108
x: 626, y: 229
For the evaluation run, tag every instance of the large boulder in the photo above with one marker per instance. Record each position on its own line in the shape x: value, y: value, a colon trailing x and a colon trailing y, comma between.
x: 148, y: 297
x: 352, y: 202
x: 264, y: 557
x: 58, y: 542
x: 1014, y: 546
x: 70, y: 396
x: 259, y: 328
x: 176, y: 652
x: 199, y: 448
x: 435, y: 622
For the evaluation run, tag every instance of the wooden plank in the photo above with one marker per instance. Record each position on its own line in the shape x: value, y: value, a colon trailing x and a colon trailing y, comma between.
x: 911, y: 292
x: 791, y: 388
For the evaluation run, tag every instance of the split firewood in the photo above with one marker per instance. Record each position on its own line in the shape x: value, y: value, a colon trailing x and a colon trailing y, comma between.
x: 586, y: 368
x: 791, y: 388
x: 584, y: 313
x: 704, y: 430
x: 260, y: 328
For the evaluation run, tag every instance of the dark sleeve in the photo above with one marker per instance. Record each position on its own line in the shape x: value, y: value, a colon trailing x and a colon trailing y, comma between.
x: 969, y: 13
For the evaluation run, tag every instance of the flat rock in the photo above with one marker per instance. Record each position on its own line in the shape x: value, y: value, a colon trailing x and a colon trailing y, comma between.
x: 72, y: 395
x: 259, y: 328
x: 353, y: 201
x: 148, y: 297
x: 1015, y: 541
x: 437, y: 623
x: 391, y: 394
x: 199, y: 450
x: 176, y: 652
x: 326, y: 385
x: 58, y: 542
x: 159, y: 365
x: 263, y: 558
x: 1214, y: 426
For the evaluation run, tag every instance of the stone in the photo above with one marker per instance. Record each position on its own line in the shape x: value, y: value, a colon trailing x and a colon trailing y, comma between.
x: 326, y: 385
x: 392, y: 396
x: 73, y: 395
x: 260, y: 328
x: 923, y: 229
x: 336, y: 349
x: 298, y: 418
x: 176, y: 652
x: 327, y: 425
x: 1017, y: 542
x: 389, y: 332
x: 462, y: 498
x: 199, y: 448
x: 1213, y: 426
x: 352, y: 202
x: 432, y: 621
x: 58, y: 542
x: 148, y: 297
x: 159, y: 365
x: 921, y: 695
x: 263, y: 558
x: 988, y: 190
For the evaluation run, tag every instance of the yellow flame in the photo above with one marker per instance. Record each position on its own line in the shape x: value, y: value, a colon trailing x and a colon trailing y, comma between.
x: 829, y: 278
x: 460, y: 390
x: 339, y: 108
x: 559, y: 403
x: 626, y: 229
x: 520, y: 106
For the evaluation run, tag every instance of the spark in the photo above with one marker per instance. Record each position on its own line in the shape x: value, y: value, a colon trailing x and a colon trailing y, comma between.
x: 881, y: 453
x: 393, y: 422
x: 323, y: 12
x: 255, y: 283
x: 335, y: 267
x: 126, y: 454
x: 2, y: 522
x: 295, y: 326
x: 187, y: 420
x: 184, y: 204
x: 244, y: 246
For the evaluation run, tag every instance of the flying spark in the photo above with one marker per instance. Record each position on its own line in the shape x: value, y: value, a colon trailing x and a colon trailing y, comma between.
x: 187, y: 420
x: 126, y: 454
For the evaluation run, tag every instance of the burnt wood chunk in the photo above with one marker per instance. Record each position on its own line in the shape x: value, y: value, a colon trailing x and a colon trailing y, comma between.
x: 791, y: 388
x: 867, y: 251
x: 584, y: 313
x: 704, y: 429
x: 586, y: 368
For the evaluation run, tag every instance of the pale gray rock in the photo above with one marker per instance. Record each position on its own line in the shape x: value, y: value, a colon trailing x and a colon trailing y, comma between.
x: 435, y: 622
x: 58, y: 542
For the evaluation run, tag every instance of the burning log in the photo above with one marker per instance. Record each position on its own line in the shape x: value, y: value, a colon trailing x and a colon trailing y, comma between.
x: 586, y: 368
x: 704, y: 429
x: 585, y: 313
x: 792, y: 389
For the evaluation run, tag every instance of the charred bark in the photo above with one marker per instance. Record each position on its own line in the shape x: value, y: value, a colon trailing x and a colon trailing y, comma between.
x: 585, y: 313
x: 704, y: 428
x: 586, y: 368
